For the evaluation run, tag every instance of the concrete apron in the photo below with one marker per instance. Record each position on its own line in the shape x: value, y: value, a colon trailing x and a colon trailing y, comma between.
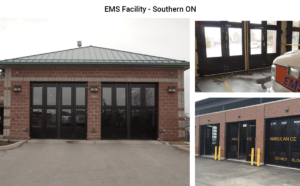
x: 229, y: 159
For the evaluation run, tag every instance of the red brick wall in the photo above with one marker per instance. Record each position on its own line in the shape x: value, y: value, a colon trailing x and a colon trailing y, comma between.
x: 167, y: 108
x: 168, y: 113
x: 258, y: 113
x: 19, y: 111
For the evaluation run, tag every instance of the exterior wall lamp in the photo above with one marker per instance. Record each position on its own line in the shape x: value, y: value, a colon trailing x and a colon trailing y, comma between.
x: 171, y: 89
x: 17, y: 88
x: 94, y: 88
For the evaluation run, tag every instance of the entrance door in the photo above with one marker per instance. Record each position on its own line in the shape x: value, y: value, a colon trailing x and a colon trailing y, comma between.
x: 223, y: 43
x: 129, y: 111
x: 114, y: 111
x: 58, y: 110
x: 241, y: 138
x: 251, y: 131
x: 209, y: 139
x: 264, y: 43
x: 143, y: 111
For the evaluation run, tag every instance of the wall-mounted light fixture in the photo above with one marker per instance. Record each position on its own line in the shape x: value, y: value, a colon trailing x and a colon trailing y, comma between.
x: 17, y: 73
x: 171, y: 73
x: 17, y: 88
x: 171, y: 89
x: 94, y: 88
x: 239, y: 116
x: 287, y: 110
x: 208, y: 120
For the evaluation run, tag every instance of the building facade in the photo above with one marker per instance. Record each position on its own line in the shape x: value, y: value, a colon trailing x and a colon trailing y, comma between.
x: 273, y: 127
x: 93, y: 93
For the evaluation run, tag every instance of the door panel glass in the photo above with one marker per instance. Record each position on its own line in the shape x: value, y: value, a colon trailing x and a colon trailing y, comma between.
x: 121, y: 96
x: 80, y: 118
x: 66, y: 96
x: 51, y: 117
x: 150, y: 96
x: 255, y: 22
x: 121, y: 119
x: 295, y: 40
x: 37, y: 95
x: 135, y: 96
x: 235, y: 41
x: 136, y: 127
x: 66, y: 119
x: 284, y: 133
x: 271, y: 41
x: 80, y: 96
x: 213, y: 42
x: 106, y: 118
x: 271, y: 22
x: 37, y: 118
x: 106, y: 97
x: 255, y: 43
x: 51, y: 95
x: 296, y: 23
x: 295, y: 139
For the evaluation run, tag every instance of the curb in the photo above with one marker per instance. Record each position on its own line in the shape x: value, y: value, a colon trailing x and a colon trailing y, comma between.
x: 181, y: 148
x: 13, y: 146
x: 164, y: 142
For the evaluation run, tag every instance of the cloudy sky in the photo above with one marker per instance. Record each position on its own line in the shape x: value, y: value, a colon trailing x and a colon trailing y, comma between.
x: 159, y: 37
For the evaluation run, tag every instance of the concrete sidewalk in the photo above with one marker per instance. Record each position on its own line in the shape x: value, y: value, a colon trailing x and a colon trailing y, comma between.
x: 210, y: 172
x: 122, y: 162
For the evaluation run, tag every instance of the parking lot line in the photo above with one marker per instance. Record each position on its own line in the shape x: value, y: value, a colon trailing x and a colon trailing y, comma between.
x: 226, y: 84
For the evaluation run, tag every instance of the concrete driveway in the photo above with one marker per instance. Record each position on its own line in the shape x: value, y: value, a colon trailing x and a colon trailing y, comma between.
x: 226, y: 173
x: 59, y: 162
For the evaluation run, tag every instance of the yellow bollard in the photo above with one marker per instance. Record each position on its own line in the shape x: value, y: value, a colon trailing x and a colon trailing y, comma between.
x: 216, y: 152
x: 219, y: 158
x: 258, y: 157
x: 252, y: 156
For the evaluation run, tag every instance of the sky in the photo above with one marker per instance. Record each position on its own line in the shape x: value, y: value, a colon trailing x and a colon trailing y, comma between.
x: 159, y: 37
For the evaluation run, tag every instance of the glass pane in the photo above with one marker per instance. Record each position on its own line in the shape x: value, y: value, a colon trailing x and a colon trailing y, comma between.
x: 37, y: 118
x: 80, y: 118
x: 271, y: 41
x: 106, y: 97
x: 271, y: 22
x: 295, y: 40
x: 236, y: 21
x: 80, y: 96
x: 296, y: 23
x: 235, y: 41
x: 150, y: 96
x: 51, y: 117
x: 255, y: 22
x: 66, y: 117
x: 213, y: 42
x: 66, y: 96
x: 106, y: 118
x: 135, y: 96
x: 37, y: 95
x: 121, y: 96
x: 295, y: 140
x: 121, y: 118
x: 255, y: 41
x: 51, y: 95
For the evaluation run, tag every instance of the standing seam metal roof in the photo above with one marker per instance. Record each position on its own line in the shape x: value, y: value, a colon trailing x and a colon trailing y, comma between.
x: 93, y: 55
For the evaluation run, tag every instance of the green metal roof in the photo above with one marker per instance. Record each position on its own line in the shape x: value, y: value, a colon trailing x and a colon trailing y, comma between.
x: 92, y: 55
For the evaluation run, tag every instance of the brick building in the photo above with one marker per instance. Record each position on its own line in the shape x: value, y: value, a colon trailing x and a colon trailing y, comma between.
x: 273, y: 126
x: 92, y: 93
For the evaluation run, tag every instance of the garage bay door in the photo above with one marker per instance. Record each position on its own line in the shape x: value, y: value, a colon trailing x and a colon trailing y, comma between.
x: 58, y: 110
x: 283, y: 141
x: 129, y: 111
